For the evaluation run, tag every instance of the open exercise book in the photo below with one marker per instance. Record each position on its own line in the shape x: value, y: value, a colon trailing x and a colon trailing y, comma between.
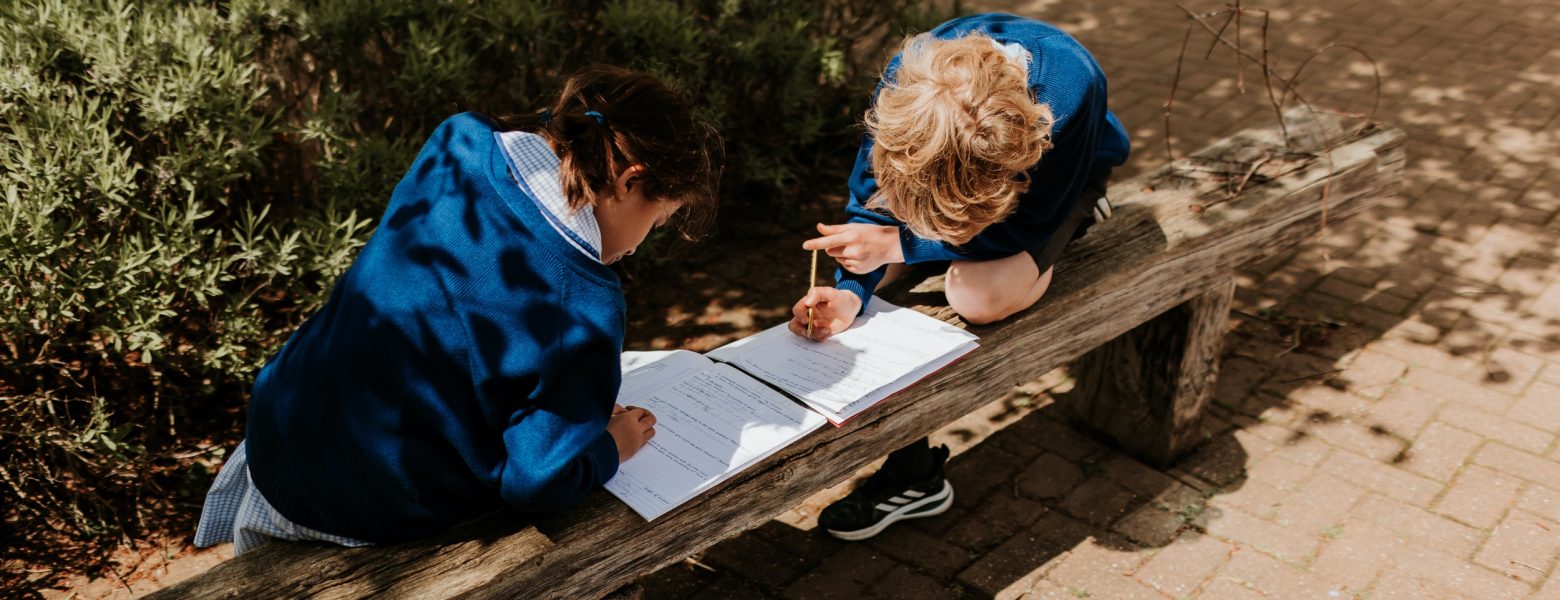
x: 721, y: 412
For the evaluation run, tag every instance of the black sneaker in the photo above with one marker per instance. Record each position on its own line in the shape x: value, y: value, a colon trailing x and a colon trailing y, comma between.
x: 885, y: 498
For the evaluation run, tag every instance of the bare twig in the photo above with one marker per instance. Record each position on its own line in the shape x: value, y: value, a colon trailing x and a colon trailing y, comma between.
x: 1240, y: 67
x: 1175, y: 83
x: 1220, y: 34
x: 1257, y: 164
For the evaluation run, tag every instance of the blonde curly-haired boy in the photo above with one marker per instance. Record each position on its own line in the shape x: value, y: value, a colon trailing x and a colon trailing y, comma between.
x: 987, y: 147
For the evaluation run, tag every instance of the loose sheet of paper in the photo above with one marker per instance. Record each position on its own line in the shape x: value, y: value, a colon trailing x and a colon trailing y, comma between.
x: 710, y: 423
x: 885, y: 350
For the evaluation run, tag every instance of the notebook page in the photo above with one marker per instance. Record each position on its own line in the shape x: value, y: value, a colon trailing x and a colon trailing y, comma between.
x: 710, y: 424
x: 885, y: 350
x: 644, y: 372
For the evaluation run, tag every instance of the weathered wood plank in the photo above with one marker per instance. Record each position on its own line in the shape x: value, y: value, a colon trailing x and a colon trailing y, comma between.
x: 1153, y: 255
x: 1147, y: 389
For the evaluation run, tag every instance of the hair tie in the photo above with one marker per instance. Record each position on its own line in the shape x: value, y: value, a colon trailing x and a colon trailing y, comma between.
x: 545, y: 117
x: 600, y: 120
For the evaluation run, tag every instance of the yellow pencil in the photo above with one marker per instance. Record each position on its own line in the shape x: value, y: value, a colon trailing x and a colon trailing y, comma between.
x: 812, y: 282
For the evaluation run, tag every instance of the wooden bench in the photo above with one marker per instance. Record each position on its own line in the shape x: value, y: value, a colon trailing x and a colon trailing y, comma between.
x: 1140, y: 303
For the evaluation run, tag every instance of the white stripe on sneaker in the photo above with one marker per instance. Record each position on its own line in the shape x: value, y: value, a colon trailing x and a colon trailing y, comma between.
x: 935, y: 504
x: 914, y: 494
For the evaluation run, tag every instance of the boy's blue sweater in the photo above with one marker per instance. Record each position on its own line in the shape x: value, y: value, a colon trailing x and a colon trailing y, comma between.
x: 1087, y: 139
x: 467, y: 359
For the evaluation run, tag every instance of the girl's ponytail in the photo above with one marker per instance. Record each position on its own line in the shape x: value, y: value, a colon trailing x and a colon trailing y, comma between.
x: 607, y: 118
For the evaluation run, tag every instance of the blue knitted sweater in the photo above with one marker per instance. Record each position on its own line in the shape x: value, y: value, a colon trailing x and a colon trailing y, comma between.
x: 468, y: 359
x: 1087, y: 140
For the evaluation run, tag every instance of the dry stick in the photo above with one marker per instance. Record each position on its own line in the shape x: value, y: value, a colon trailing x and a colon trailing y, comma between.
x: 1261, y: 62
x: 1267, y: 77
x: 1214, y: 43
x: 1291, y: 87
x: 1175, y: 83
x: 1257, y: 164
x: 1294, y: 80
x: 1240, y: 67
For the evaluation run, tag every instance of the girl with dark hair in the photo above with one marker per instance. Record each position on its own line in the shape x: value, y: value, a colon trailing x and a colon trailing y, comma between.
x: 468, y: 359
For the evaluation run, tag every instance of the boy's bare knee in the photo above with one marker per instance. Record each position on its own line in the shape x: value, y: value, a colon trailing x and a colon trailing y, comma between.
x: 975, y: 298
x: 979, y: 315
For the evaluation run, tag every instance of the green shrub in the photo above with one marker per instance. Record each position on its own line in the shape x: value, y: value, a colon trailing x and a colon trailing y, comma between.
x: 183, y: 181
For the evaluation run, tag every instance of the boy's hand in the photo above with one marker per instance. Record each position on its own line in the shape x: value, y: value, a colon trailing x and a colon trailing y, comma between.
x: 630, y: 427
x: 859, y: 247
x: 833, y: 311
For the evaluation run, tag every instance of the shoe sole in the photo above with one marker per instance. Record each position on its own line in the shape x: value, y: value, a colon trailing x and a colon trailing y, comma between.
x: 912, y: 510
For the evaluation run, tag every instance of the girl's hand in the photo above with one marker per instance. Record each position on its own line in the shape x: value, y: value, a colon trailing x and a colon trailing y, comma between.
x: 630, y: 427
x: 833, y: 311
x: 859, y: 247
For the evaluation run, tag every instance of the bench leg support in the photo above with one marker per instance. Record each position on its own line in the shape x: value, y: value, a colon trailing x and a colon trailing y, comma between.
x: 1147, y: 388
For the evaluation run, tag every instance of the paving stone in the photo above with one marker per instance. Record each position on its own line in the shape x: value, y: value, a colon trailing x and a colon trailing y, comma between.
x: 1305, y: 450
x: 1358, y: 554
x: 1380, y: 478
x: 757, y: 560
x: 929, y: 554
x: 679, y: 580
x: 1523, y: 547
x: 1237, y: 378
x: 1050, y: 476
x: 1550, y: 591
x: 1314, y: 506
x: 904, y: 582
x: 1055, y: 437
x: 994, y: 520
x: 1150, y: 526
x: 728, y: 586
x: 1496, y: 427
x: 1228, y: 589
x: 1371, y: 374
x: 1253, y: 496
x: 1508, y: 460
x: 1541, y: 500
x: 1456, y: 574
x: 853, y: 564
x: 1418, y: 526
x: 1099, y: 502
x: 1462, y: 389
x: 1279, y: 472
x: 981, y: 469
x: 1368, y: 439
x: 1479, y: 496
x: 1273, y: 578
x: 1223, y: 460
x: 1098, y: 570
x: 1404, y: 411
x: 1135, y: 476
x: 1287, y: 545
x: 1015, y: 564
x: 1181, y: 567
x: 1440, y: 451
x: 1539, y: 407
x: 1337, y: 403
x: 1398, y: 585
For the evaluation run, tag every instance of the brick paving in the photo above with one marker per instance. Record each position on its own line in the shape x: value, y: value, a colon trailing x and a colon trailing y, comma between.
x: 1386, y: 423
